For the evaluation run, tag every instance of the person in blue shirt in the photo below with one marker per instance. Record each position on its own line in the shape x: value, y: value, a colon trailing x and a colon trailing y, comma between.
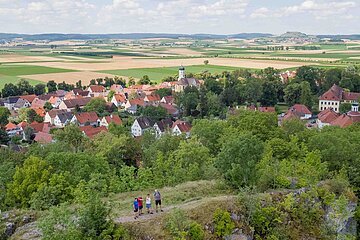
x: 136, y: 208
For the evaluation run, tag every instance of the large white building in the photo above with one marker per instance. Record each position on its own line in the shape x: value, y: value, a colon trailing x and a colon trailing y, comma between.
x: 335, y: 96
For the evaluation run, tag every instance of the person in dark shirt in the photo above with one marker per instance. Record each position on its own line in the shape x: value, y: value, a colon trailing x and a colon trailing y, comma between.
x: 157, y: 197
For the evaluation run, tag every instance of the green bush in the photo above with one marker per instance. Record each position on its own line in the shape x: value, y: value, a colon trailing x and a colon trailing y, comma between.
x: 223, y: 225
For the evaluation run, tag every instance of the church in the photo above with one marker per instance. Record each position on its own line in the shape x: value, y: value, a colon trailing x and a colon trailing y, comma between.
x: 184, y: 82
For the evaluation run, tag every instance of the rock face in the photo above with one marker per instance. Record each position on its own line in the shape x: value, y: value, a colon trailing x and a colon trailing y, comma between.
x: 14, y: 221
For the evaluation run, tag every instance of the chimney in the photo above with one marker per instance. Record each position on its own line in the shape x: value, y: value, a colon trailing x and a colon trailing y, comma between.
x: 355, y: 107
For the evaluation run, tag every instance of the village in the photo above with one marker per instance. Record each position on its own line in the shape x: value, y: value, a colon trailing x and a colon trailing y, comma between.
x: 67, y: 108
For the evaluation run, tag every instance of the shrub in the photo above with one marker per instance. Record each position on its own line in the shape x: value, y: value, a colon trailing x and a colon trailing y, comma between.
x: 223, y: 225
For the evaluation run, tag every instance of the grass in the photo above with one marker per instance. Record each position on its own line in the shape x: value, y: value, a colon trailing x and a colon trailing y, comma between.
x: 18, y: 70
x: 14, y: 80
x: 156, y: 74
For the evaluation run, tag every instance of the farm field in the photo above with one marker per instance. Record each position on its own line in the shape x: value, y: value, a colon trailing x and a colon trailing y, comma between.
x: 68, y: 77
x: 156, y: 74
x: 4, y: 79
x: 77, y: 60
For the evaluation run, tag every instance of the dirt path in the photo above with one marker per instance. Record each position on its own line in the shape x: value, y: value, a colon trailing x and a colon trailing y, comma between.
x: 184, y: 206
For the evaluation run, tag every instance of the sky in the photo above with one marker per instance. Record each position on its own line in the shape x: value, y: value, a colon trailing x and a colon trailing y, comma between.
x: 180, y: 16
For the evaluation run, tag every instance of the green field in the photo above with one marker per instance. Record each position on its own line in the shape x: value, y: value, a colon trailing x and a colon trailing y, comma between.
x: 14, y: 80
x: 18, y: 70
x: 156, y: 74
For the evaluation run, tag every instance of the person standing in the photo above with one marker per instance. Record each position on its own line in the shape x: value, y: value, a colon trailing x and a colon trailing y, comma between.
x: 136, y: 208
x: 140, y: 203
x: 157, y: 197
x: 148, y: 203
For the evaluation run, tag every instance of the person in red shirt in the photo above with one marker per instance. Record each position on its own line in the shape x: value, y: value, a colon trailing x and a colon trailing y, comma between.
x: 140, y: 203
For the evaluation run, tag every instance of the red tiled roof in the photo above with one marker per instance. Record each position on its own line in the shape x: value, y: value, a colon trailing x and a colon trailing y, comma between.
x: 40, y: 127
x: 53, y: 112
x: 342, y: 121
x: 137, y: 101
x: 153, y: 98
x: 117, y: 88
x: 29, y: 98
x: 183, y: 126
x: 53, y: 99
x: 327, y: 115
x: 290, y: 115
x: 22, y: 125
x: 10, y: 126
x: 40, y: 111
x: 169, y: 99
x: 120, y: 98
x: 38, y: 103
x: 91, y: 131
x: 333, y: 94
x: 85, y: 117
x: 72, y: 103
x: 113, y: 119
x: 300, y: 108
x: 97, y: 88
x: 267, y: 109
x: 43, y: 137
x: 351, y: 96
x: 169, y: 108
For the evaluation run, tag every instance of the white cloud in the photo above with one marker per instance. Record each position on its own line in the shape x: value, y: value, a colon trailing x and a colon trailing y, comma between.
x: 260, y: 13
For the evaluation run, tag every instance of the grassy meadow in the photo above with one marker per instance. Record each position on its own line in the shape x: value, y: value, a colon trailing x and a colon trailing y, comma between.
x: 157, y: 74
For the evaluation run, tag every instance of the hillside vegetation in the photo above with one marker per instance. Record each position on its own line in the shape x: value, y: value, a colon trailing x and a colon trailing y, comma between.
x: 244, y: 175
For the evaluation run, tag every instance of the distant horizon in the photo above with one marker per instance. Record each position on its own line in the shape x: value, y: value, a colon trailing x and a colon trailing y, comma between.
x: 175, y: 33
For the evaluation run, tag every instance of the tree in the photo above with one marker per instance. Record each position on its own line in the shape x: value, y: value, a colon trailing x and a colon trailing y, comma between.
x: 163, y: 92
x: 39, y: 89
x: 310, y: 74
x: 213, y: 85
x: 78, y: 84
x: 26, y: 181
x: 209, y: 133
x: 305, y: 95
x: 97, y: 105
x: 169, y: 79
x: 32, y: 116
x: 4, y: 116
x: 110, y: 95
x: 269, y: 94
x: 72, y: 136
x: 52, y: 86
x: 4, y: 137
x: 292, y: 93
x: 155, y: 113
x: 25, y: 88
x: 131, y: 81
x: 238, y: 158
x: 144, y: 80
x: 332, y: 76
x: 48, y: 106
x: 252, y: 90
x: 29, y: 134
x: 345, y: 107
x: 10, y: 90
x: 206, y: 62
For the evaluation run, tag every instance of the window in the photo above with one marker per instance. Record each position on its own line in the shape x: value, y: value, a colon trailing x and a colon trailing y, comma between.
x: 332, y: 103
x: 335, y: 109
x: 321, y: 108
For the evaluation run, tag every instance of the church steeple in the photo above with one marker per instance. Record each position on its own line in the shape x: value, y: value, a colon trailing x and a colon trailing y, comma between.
x: 181, y: 72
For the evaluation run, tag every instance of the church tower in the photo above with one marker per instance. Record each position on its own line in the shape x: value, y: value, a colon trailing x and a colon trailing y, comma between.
x: 181, y: 72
